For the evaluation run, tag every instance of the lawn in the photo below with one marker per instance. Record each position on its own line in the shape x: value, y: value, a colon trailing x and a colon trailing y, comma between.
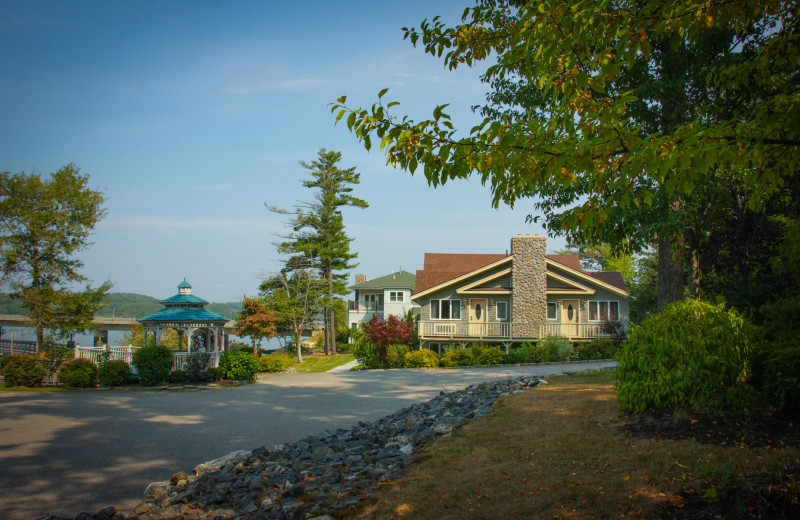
x: 322, y: 363
x: 559, y: 451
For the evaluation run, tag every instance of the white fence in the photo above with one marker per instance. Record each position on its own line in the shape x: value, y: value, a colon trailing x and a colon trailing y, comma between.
x: 126, y: 354
x: 511, y: 331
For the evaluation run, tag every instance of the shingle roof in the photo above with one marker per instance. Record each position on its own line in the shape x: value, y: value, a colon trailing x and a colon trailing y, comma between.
x: 399, y: 279
x: 612, y: 278
x: 184, y: 285
x: 184, y: 314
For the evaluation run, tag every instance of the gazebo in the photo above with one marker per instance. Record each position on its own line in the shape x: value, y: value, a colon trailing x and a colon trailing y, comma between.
x: 185, y: 313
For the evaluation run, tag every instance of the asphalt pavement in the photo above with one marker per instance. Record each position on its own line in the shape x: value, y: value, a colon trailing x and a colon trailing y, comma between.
x: 66, y: 452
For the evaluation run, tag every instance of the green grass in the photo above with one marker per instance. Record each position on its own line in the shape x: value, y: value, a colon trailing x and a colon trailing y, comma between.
x: 321, y: 363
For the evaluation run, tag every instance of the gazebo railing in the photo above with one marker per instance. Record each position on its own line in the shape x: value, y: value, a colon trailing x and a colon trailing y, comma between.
x: 126, y: 354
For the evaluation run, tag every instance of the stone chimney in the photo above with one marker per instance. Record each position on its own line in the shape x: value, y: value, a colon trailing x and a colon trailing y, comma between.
x: 529, y: 279
x: 361, y: 278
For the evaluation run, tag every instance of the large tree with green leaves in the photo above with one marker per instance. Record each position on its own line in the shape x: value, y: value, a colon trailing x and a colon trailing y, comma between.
x: 44, y: 223
x: 318, y: 231
x: 295, y: 296
x: 627, y: 121
x: 255, y: 320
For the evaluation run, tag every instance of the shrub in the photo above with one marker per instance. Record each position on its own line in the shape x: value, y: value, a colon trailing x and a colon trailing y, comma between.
x: 274, y: 363
x: 216, y: 374
x: 362, y: 351
x: 177, y: 376
x: 489, y: 356
x: 692, y: 356
x: 239, y: 365
x: 421, y: 358
x: 67, y: 373
x: 20, y: 370
x: 197, y: 366
x: 113, y: 373
x: 617, y: 330
x: 54, y: 356
x: 4, y: 359
x: 775, y: 373
x: 153, y: 363
x: 458, y: 357
x: 396, y: 356
x: 521, y: 354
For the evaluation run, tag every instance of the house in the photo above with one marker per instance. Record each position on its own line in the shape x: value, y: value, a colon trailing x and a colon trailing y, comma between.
x: 386, y: 296
x: 506, y: 299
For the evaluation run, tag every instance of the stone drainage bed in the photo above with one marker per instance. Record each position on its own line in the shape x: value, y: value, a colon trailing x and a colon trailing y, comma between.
x: 319, y: 477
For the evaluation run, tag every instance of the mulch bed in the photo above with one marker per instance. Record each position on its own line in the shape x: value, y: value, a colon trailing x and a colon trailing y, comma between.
x: 766, y: 497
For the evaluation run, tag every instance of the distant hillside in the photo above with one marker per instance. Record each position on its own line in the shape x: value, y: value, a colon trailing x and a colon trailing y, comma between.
x: 127, y: 305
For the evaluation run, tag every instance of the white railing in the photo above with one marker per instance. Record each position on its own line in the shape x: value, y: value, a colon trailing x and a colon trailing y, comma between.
x: 509, y: 330
x: 126, y: 354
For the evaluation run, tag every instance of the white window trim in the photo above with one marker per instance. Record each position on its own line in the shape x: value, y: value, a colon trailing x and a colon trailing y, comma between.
x: 497, y: 311
x: 555, y: 318
x: 439, y: 300
x: 398, y: 294
x: 597, y: 303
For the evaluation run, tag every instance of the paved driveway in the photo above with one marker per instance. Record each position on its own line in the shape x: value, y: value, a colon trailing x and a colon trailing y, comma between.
x: 63, y: 453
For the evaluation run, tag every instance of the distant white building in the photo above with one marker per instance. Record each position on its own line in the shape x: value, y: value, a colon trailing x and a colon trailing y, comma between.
x: 386, y: 296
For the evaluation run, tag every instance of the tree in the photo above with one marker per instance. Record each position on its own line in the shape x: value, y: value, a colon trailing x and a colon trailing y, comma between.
x: 391, y: 331
x: 44, y: 223
x: 602, y: 257
x: 318, y: 230
x: 255, y: 320
x: 616, y: 115
x: 296, y: 297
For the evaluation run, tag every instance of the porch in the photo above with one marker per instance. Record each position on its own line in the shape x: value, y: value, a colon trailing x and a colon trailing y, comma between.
x: 507, y: 331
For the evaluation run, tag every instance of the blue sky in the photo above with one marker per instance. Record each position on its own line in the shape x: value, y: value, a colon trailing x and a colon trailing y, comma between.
x: 190, y: 116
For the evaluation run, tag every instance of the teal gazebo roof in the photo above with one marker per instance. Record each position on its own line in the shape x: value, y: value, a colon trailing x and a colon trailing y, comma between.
x: 184, y: 308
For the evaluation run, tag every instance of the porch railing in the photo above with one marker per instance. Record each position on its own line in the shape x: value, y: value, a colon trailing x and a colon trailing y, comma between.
x: 509, y: 330
x: 126, y: 354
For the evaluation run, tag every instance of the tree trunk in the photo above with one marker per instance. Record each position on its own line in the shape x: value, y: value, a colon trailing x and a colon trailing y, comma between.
x: 39, y: 338
x: 299, y: 348
x: 330, y: 346
x: 694, y: 275
x: 670, y: 274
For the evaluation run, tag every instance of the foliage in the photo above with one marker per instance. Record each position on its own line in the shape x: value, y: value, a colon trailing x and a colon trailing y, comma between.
x: 422, y: 358
x: 296, y: 297
x: 197, y: 365
x: 78, y: 373
x: 389, y: 331
x: 54, y: 356
x: 153, y: 363
x: 396, y: 356
x: 20, y: 370
x: 239, y: 365
x: 603, y: 257
x: 557, y: 348
x: 601, y: 348
x: 488, y: 355
x: 617, y: 330
x: 520, y: 354
x: 318, y: 232
x: 44, y: 225
x: 236, y: 346
x: 113, y: 373
x: 457, y: 357
x: 216, y: 373
x: 775, y: 373
x: 693, y: 356
x: 177, y: 376
x: 169, y: 338
x: 362, y: 351
x: 630, y: 122
x: 274, y: 362
x: 255, y: 320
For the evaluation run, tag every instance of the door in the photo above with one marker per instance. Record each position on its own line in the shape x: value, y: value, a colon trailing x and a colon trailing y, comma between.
x: 477, y: 316
x: 569, y: 318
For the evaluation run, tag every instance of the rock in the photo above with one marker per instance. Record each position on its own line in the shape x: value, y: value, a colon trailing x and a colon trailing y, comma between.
x: 156, y: 492
x: 142, y: 509
x: 215, y: 465
x: 177, y: 477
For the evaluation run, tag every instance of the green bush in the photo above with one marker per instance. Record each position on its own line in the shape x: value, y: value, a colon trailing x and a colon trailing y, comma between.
x: 66, y: 374
x: 197, y: 365
x: 274, y: 362
x: 421, y: 358
x: 4, y: 359
x: 458, y: 357
x: 601, y: 348
x: 775, y: 373
x: 692, y: 356
x: 396, y: 356
x: 558, y: 348
x: 20, y: 370
x: 489, y: 356
x: 153, y: 363
x: 177, y: 376
x: 239, y: 365
x: 521, y: 354
x: 216, y: 374
x: 113, y: 373
x: 362, y: 351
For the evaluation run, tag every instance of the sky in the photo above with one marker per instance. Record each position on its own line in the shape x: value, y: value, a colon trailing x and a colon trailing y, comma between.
x: 191, y: 116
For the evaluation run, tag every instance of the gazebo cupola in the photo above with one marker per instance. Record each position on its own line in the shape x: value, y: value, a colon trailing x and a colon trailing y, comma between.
x: 185, y: 313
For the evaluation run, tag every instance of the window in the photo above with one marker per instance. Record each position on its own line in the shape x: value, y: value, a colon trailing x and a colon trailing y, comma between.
x: 395, y: 296
x: 502, y: 311
x: 373, y: 301
x: 552, y: 310
x: 445, y: 309
x: 603, y: 311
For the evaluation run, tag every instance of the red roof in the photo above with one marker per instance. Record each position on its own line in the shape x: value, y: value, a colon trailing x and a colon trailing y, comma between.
x: 442, y: 267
